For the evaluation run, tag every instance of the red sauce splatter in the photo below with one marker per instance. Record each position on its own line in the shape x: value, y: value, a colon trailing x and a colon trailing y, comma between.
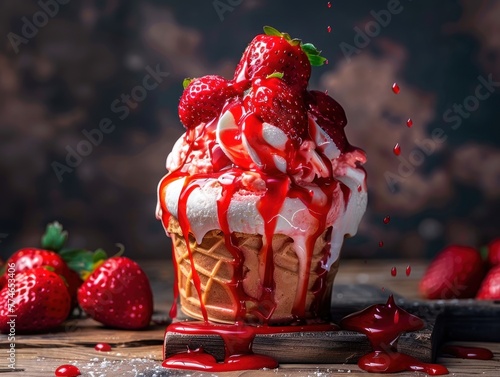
x: 387, y: 219
x: 103, y: 347
x: 408, y: 270
x: 383, y: 324
x: 329, y: 29
x: 409, y: 123
x: 395, y: 88
x: 238, y: 339
x: 467, y: 352
x: 380, y: 243
x: 67, y: 370
x: 397, y: 149
x: 394, y: 271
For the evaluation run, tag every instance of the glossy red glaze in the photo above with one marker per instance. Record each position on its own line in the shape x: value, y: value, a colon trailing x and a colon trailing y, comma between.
x: 467, y: 352
x: 383, y: 324
x: 238, y: 339
x: 67, y: 370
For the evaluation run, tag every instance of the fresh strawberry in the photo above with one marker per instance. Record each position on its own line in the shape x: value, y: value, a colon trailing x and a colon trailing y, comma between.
x: 32, y: 257
x: 203, y: 99
x: 118, y: 294
x: 490, y: 287
x: 40, y: 301
x: 271, y: 100
x: 73, y: 281
x: 329, y: 115
x: 277, y: 52
x: 456, y: 272
x: 494, y: 252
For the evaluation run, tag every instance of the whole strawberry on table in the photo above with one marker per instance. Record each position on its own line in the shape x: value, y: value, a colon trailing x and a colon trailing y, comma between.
x: 464, y: 272
x: 40, y: 286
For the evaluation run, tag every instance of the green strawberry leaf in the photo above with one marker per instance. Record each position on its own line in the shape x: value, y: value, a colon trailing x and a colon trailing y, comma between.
x: 55, y: 237
x: 269, y: 30
x: 310, y: 49
x: 186, y: 82
x: 316, y: 60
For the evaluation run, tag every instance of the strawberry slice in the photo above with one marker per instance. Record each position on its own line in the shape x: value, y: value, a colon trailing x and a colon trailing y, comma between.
x: 274, y: 102
x: 203, y: 99
x: 329, y: 115
x: 278, y: 52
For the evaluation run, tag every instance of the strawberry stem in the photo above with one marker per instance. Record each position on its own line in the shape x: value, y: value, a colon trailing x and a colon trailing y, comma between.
x: 278, y: 75
x: 186, y: 82
x: 55, y: 237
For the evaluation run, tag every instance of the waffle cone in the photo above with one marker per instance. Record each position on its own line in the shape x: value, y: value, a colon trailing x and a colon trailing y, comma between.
x: 216, y: 268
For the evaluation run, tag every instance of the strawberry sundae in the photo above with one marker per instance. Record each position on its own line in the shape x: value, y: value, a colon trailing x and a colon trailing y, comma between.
x: 262, y: 189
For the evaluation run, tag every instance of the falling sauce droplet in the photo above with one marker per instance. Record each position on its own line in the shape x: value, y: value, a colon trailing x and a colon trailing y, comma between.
x: 397, y: 149
x: 408, y: 270
x: 329, y: 29
x: 103, y: 347
x: 326, y: 62
x: 380, y: 243
x: 394, y: 271
x: 387, y: 219
x: 329, y: 4
x: 395, y: 88
x: 67, y: 370
x: 409, y: 123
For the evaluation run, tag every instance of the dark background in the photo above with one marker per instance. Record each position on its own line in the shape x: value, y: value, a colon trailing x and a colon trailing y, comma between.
x: 62, y: 81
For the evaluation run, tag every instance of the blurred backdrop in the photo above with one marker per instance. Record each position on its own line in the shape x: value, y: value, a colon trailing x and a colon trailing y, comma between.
x: 88, y: 111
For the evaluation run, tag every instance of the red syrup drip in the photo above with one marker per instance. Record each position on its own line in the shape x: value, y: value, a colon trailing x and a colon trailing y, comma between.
x: 408, y: 270
x: 329, y: 29
x: 394, y: 271
x: 387, y: 219
x: 467, y: 352
x: 103, y: 347
x: 397, y: 149
x: 409, y: 123
x: 238, y: 339
x: 395, y: 88
x: 383, y: 324
x: 67, y: 370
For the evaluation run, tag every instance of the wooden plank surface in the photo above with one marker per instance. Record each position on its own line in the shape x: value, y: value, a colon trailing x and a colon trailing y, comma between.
x: 139, y: 353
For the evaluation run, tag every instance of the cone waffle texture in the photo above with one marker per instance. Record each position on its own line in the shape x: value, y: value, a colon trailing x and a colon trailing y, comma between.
x: 216, y: 268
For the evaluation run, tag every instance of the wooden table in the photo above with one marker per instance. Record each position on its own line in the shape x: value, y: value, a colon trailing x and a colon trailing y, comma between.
x: 139, y: 353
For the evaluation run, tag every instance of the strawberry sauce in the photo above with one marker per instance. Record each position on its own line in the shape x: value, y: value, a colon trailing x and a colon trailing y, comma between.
x: 67, y: 370
x: 383, y: 324
x: 467, y: 352
x: 238, y: 339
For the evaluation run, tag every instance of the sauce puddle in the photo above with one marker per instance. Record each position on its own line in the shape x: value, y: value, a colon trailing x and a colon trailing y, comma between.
x: 383, y: 324
x: 462, y: 352
x: 238, y: 339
